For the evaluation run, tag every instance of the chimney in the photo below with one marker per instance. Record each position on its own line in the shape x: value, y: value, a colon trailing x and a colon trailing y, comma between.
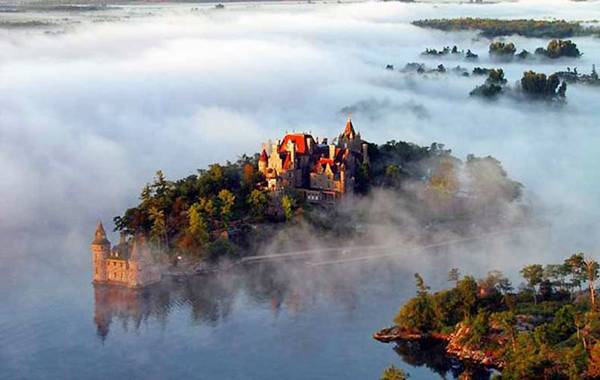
x: 365, y: 152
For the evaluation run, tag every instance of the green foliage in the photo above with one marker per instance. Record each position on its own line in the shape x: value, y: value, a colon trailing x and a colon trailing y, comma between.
x: 559, y: 48
x: 554, y: 339
x: 502, y: 50
x: 393, y: 373
x: 418, y: 314
x: 258, y: 201
x: 226, y: 203
x: 454, y: 275
x: 287, y: 204
x: 534, y: 275
x: 497, y: 27
x: 221, y: 248
x: 467, y: 289
x: 537, y: 85
x: 197, y: 230
x: 493, y: 85
x: 479, y: 327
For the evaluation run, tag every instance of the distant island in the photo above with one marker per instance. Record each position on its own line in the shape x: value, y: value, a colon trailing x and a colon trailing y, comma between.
x: 548, y: 329
x: 490, y: 28
x: 301, y: 183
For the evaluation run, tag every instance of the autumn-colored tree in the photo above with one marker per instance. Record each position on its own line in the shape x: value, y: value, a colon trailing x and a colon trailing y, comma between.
x: 258, y: 201
x: 226, y: 203
x: 158, y: 233
x: 393, y: 373
x: 287, y: 205
x: 593, y: 369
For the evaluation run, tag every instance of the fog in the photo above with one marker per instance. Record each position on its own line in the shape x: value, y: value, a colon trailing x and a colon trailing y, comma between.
x: 92, y: 109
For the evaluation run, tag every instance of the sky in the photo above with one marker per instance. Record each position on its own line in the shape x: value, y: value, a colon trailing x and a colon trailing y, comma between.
x: 91, y: 107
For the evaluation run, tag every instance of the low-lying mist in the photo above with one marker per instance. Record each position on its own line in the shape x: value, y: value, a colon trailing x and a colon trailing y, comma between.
x: 87, y: 115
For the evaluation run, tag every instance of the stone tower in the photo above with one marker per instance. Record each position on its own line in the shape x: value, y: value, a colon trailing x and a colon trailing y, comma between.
x: 263, y: 162
x: 100, y: 252
x: 142, y: 270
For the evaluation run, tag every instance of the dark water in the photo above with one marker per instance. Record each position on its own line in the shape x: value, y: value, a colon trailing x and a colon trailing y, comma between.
x: 265, y: 321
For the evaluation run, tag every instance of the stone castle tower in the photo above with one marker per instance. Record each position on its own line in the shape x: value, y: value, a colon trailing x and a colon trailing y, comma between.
x: 100, y: 253
x: 122, y: 265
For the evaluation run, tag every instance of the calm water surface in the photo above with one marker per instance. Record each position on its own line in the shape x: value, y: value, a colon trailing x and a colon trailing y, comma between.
x: 291, y: 320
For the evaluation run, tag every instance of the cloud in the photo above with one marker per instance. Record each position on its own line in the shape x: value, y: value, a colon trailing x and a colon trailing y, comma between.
x: 88, y: 115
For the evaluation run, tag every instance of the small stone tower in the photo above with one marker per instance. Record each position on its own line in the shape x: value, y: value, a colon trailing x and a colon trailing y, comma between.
x: 142, y: 270
x: 262, y: 162
x: 100, y: 252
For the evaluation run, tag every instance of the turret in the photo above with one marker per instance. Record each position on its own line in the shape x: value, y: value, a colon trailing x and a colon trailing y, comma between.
x: 100, y: 251
x: 262, y: 162
x: 349, y: 132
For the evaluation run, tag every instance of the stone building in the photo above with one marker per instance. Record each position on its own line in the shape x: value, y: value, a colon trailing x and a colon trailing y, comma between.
x: 125, y: 264
x: 321, y: 171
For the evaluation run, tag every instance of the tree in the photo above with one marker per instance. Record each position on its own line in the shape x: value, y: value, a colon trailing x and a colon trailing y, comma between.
x: 422, y: 289
x: 418, y: 314
x: 197, y: 227
x: 287, y: 204
x: 454, y: 275
x: 226, y: 203
x: 593, y: 369
x: 591, y: 270
x: 393, y: 373
x: 575, y: 266
x: 560, y: 48
x: 534, y: 275
x: 507, y: 322
x: 258, y: 202
x: 467, y: 288
x: 158, y: 233
x: 248, y: 176
x: 207, y: 206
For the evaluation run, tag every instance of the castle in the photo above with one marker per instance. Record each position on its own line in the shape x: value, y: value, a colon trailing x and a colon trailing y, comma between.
x: 125, y: 264
x: 321, y: 171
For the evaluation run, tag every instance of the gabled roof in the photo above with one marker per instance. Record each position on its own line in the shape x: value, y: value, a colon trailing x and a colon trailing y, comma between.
x: 299, y: 139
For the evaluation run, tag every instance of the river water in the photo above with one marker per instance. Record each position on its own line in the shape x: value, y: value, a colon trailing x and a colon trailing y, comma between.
x: 288, y: 320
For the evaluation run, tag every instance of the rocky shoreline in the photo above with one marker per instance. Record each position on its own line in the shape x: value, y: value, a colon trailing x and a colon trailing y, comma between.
x: 453, y: 347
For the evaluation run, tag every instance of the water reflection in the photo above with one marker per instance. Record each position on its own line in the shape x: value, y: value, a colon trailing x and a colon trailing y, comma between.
x: 334, y: 308
x: 431, y: 354
x: 210, y: 298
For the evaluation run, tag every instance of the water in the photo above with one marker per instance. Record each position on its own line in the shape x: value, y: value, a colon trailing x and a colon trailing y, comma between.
x: 258, y: 322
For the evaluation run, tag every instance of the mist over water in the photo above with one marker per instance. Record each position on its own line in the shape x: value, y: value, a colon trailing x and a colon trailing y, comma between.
x: 92, y: 105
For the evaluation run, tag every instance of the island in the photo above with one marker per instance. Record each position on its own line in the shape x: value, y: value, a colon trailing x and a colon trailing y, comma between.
x: 489, y: 27
x: 299, y: 189
x: 548, y: 329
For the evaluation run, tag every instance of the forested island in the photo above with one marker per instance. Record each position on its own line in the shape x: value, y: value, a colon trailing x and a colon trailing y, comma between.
x: 490, y: 28
x: 536, y: 86
x: 232, y: 210
x: 547, y: 329
x: 506, y: 51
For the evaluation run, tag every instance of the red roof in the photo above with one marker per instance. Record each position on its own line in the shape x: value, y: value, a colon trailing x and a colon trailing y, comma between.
x: 322, y: 164
x: 299, y: 139
x: 263, y: 156
x: 349, y: 130
x: 287, y: 162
